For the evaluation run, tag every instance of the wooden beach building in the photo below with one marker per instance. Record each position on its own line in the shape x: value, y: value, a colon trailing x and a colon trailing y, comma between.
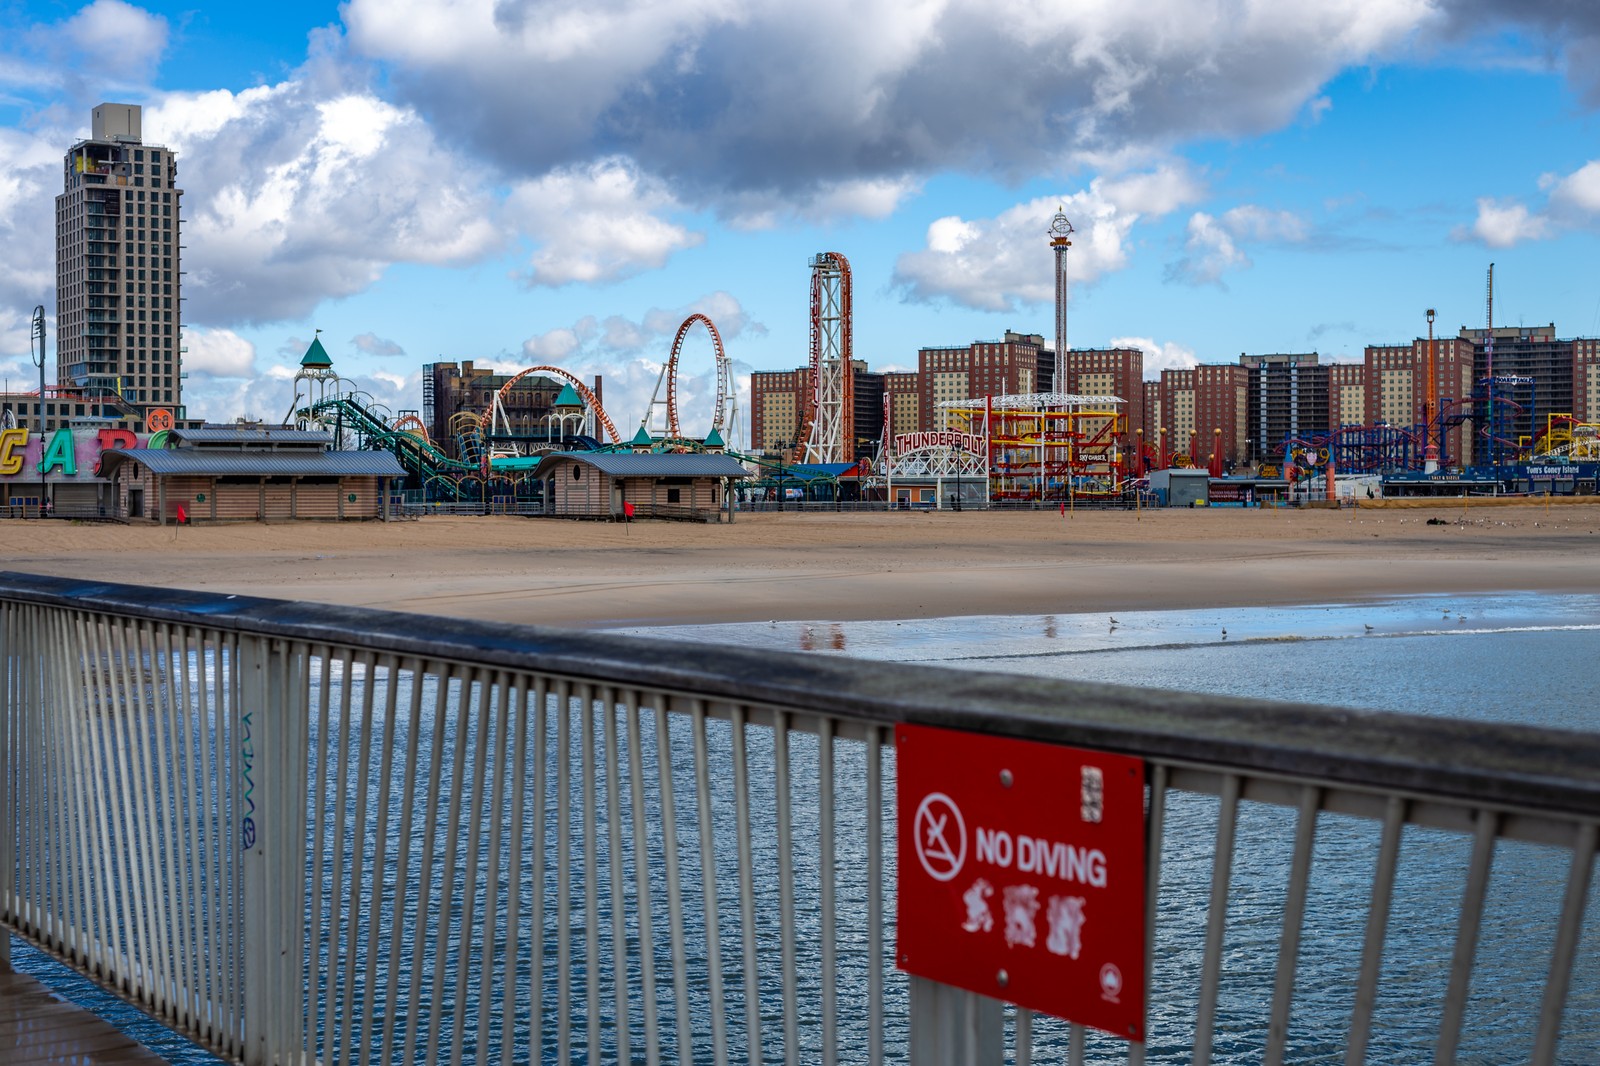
x: 684, y: 485
x: 249, y: 474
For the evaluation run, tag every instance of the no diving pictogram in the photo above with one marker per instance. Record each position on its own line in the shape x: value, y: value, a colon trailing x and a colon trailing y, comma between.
x: 938, y: 821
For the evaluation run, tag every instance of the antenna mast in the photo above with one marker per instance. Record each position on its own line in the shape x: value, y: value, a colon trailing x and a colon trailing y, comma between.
x: 1488, y: 375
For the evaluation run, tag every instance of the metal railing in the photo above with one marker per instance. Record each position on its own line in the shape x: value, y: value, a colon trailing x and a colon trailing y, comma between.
x: 302, y: 833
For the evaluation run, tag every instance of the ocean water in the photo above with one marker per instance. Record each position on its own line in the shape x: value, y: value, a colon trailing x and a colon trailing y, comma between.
x: 1521, y: 658
x: 1516, y: 657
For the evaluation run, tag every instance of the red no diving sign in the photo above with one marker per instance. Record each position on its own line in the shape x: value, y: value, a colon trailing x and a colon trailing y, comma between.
x: 1022, y: 873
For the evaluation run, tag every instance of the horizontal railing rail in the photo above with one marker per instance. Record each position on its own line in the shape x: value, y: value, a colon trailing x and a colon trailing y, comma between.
x: 305, y: 833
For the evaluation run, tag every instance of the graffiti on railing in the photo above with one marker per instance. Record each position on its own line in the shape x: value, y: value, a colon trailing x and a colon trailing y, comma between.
x: 247, y: 753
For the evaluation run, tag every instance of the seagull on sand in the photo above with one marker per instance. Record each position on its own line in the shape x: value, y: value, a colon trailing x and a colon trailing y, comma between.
x: 1369, y: 628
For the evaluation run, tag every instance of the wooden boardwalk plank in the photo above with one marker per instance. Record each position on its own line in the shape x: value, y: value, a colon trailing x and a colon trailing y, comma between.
x: 37, y: 1026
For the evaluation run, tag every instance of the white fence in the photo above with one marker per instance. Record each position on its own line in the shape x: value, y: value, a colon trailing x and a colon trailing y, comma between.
x: 307, y: 834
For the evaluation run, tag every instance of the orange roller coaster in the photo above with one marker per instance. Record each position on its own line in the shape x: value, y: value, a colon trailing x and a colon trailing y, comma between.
x: 413, y: 425
x: 828, y: 427
x: 726, y: 398
x: 496, y: 408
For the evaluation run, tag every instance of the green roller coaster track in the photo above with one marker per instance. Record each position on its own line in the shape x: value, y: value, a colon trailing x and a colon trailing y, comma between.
x: 435, y: 471
x: 441, y: 476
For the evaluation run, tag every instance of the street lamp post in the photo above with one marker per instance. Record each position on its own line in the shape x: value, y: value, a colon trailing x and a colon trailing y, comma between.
x: 38, y: 361
x: 38, y: 357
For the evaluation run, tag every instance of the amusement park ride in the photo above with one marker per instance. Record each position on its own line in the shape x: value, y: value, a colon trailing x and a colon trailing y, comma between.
x: 1040, y: 446
x: 493, y: 459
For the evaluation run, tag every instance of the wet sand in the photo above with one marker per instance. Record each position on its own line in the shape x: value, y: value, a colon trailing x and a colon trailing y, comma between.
x: 841, y: 567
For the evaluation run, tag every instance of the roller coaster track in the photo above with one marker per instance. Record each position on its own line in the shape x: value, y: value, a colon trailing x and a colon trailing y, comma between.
x: 828, y: 427
x: 727, y: 399
x: 487, y: 419
x: 416, y: 453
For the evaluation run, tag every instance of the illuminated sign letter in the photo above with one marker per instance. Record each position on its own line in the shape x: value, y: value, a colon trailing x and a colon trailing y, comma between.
x: 12, y: 443
x: 60, y: 453
x: 117, y: 438
x: 109, y: 439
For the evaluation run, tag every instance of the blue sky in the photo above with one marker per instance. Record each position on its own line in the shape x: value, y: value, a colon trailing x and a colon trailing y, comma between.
x: 561, y: 182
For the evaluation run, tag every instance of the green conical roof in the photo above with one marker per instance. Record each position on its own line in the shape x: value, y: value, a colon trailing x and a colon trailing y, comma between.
x: 569, y: 397
x: 714, y: 439
x: 316, y: 356
x: 642, y: 437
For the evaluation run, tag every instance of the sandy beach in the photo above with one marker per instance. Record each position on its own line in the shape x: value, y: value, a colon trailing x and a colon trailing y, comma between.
x: 843, y: 566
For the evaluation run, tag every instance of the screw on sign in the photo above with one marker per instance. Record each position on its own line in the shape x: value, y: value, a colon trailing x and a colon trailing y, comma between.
x: 1029, y: 879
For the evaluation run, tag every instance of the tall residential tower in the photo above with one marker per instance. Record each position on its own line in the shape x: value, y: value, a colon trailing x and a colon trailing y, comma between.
x: 118, y: 303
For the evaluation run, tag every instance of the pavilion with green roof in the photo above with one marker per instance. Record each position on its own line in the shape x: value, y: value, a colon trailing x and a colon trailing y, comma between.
x: 316, y: 357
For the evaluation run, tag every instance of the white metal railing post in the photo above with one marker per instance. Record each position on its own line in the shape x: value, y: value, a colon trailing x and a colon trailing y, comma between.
x: 8, y: 691
x: 953, y: 1027
x: 270, y: 757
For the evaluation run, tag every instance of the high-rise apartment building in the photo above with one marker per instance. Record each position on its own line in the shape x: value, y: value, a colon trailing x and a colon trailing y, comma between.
x: 1347, y: 395
x: 780, y: 406
x: 1532, y: 369
x: 1586, y: 379
x: 1204, y: 409
x: 973, y: 371
x: 119, y: 311
x: 1396, y: 388
x: 904, y: 395
x: 1108, y: 372
x: 782, y: 402
x: 1288, y: 401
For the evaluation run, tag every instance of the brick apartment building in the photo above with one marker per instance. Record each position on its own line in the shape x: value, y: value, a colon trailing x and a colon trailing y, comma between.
x: 982, y: 368
x: 1109, y: 372
x: 1201, y: 409
x: 780, y: 407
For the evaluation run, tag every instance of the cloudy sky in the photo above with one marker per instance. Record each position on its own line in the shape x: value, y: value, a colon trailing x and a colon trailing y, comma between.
x: 561, y: 182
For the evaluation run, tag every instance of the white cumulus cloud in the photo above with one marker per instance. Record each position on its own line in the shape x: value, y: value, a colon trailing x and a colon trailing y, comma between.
x: 294, y: 198
x: 117, y: 41
x: 596, y: 223
x: 1158, y: 356
x: 1000, y: 263
x: 372, y: 344
x: 1572, y: 202
x: 1501, y: 224
x: 218, y: 353
x: 1578, y: 194
x: 729, y: 97
x: 1212, y: 247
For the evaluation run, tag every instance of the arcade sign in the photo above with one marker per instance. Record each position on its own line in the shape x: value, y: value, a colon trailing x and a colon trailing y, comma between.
x: 1021, y: 874
x: 68, y: 453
